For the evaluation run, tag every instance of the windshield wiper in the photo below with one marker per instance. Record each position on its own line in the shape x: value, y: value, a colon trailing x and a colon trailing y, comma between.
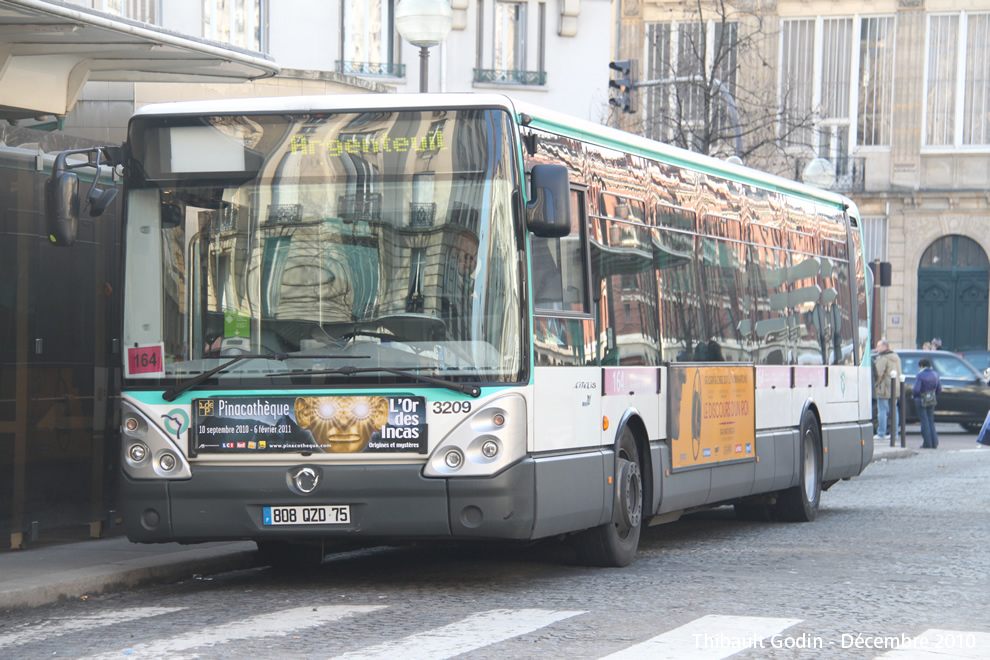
x: 173, y: 392
x: 472, y: 391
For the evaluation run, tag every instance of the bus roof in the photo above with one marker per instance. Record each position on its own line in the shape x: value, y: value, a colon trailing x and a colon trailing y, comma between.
x: 556, y: 122
x: 334, y: 102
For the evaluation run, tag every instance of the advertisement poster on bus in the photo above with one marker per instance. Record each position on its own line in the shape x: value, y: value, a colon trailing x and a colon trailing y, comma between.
x: 331, y: 424
x: 712, y: 415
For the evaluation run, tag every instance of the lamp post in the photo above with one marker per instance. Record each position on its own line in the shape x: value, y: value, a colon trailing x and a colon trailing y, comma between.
x: 424, y: 23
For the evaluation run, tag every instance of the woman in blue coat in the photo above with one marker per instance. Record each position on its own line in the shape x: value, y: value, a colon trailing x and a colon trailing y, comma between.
x: 927, y: 387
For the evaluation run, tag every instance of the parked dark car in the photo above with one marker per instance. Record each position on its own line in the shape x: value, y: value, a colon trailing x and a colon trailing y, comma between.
x: 965, y: 397
x: 979, y: 359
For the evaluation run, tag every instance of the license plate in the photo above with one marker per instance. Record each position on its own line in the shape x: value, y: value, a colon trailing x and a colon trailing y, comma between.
x: 306, y: 515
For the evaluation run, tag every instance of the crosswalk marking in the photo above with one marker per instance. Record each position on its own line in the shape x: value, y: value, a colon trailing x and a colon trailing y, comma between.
x: 275, y: 624
x: 937, y: 644
x: 28, y: 634
x: 474, y: 632
x: 708, y: 638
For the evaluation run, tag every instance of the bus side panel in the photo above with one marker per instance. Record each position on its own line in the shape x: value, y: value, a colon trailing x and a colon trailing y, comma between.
x: 764, y: 471
x: 866, y: 437
x: 732, y: 481
x: 660, y: 455
x: 683, y: 490
x: 844, y: 451
x: 571, y: 492
x: 785, y: 459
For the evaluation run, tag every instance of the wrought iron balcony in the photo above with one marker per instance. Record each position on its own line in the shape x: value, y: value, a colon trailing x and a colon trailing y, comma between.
x: 510, y: 76
x: 850, y: 174
x: 371, y: 68
x: 360, y: 206
x: 422, y: 214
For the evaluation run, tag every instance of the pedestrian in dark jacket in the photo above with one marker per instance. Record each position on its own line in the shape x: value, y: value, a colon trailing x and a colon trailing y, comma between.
x: 927, y: 381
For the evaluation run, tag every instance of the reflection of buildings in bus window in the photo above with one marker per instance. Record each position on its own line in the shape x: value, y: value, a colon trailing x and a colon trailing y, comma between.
x: 564, y: 342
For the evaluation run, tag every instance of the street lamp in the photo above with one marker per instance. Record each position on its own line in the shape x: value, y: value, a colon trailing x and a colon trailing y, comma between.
x: 424, y: 23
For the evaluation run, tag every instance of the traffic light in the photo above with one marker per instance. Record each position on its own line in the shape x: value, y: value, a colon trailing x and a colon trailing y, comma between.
x: 625, y: 82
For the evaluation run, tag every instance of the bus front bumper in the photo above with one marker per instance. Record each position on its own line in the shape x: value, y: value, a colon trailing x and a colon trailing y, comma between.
x: 386, y: 502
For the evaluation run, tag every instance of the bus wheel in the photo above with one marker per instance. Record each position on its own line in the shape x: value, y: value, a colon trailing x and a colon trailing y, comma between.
x: 800, y: 504
x: 288, y: 556
x: 615, y: 543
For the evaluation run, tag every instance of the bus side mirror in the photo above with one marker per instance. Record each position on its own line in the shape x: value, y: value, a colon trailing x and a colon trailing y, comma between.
x: 62, y: 206
x: 548, y: 214
x: 62, y: 195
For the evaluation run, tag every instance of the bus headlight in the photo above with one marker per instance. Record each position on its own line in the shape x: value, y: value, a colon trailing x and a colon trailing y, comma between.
x: 137, y: 452
x: 149, y: 452
x: 489, y: 440
x: 167, y: 462
x: 489, y: 449
x: 453, y: 459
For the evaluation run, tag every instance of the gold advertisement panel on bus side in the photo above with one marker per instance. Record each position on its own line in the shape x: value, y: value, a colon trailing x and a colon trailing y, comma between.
x: 711, y: 414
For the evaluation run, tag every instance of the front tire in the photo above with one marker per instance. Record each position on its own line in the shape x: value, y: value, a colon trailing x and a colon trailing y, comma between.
x: 800, y: 504
x: 615, y: 543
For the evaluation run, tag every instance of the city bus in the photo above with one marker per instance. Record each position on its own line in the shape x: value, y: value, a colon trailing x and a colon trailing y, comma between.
x: 391, y: 318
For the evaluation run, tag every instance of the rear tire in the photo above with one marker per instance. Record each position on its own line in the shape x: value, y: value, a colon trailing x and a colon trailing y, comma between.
x: 972, y: 427
x: 615, y: 543
x: 800, y: 504
x: 288, y: 556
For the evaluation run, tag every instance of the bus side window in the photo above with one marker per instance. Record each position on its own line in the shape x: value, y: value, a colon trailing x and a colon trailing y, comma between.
x: 563, y: 330
x: 559, y: 266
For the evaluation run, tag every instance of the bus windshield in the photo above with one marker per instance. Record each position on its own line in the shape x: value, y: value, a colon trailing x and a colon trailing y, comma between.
x: 349, y: 239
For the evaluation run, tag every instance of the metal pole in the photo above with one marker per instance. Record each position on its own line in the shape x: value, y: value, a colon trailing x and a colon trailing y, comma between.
x: 903, y: 419
x: 424, y: 68
x: 892, y: 413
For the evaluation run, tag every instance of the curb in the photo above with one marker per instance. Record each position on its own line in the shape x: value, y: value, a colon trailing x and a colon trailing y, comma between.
x: 132, y: 573
x: 902, y: 452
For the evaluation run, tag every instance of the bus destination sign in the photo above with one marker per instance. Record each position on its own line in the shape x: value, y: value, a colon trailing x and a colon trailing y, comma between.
x: 330, y: 424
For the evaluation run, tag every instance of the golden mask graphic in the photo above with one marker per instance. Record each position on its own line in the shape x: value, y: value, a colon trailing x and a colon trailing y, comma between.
x: 342, y: 423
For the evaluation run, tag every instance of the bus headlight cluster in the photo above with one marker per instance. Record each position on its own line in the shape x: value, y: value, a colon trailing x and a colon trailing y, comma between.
x: 489, y: 440
x: 148, y: 451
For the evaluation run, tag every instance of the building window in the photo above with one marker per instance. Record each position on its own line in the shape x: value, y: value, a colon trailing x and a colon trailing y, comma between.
x: 369, y: 45
x: 836, y: 85
x: 146, y: 11
x: 510, y: 36
x: 698, y: 62
x: 957, y: 80
x: 236, y: 22
x: 876, y: 80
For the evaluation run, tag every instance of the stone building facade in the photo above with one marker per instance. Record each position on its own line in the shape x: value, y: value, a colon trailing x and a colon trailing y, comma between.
x: 896, y: 95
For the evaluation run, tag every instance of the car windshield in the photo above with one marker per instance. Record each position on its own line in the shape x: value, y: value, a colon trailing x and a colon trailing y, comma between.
x: 362, y: 239
x: 945, y: 365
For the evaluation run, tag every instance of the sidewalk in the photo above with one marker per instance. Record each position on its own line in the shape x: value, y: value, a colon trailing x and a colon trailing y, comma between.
x: 39, y: 576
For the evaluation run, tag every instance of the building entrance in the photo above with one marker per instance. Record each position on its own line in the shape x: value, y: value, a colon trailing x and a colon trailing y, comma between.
x: 953, y: 286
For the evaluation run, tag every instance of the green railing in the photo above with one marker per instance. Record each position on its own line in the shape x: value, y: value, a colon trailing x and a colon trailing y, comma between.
x: 371, y: 68
x: 508, y: 76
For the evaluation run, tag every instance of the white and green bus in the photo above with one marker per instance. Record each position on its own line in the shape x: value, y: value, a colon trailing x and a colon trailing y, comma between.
x: 381, y: 318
